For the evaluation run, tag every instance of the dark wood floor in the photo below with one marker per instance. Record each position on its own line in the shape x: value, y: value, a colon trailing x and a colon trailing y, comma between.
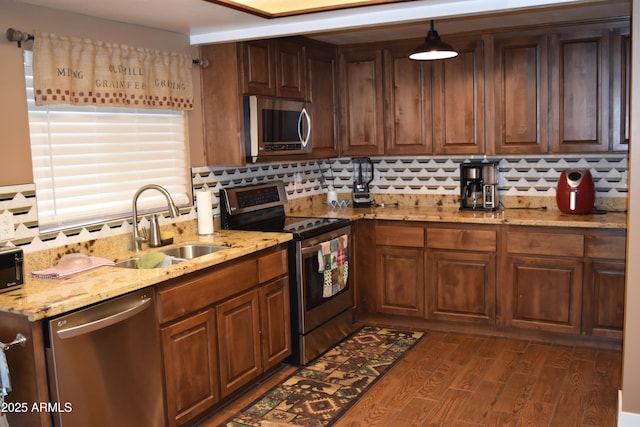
x: 454, y: 379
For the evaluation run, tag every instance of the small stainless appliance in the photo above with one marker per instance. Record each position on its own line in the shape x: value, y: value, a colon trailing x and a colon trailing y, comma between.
x: 276, y: 127
x: 478, y: 186
x: 317, y: 322
x: 576, y: 192
x: 362, y: 177
x: 11, y: 268
x: 104, y: 364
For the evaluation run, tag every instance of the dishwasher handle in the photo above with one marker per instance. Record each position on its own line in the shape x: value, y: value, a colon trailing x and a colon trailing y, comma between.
x: 112, y: 319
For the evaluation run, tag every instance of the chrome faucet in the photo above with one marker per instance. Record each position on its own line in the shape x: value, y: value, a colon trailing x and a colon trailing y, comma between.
x: 153, y: 238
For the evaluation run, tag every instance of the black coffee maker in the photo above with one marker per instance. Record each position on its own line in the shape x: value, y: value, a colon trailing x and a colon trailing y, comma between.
x: 478, y: 189
x: 362, y: 177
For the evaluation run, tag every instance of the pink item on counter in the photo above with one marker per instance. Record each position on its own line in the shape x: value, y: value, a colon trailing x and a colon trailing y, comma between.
x: 71, y: 264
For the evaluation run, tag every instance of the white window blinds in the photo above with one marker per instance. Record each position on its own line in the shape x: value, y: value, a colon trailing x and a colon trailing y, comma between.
x: 88, y: 162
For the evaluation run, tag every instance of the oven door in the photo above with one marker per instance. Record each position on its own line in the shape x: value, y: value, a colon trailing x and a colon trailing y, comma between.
x: 313, y: 308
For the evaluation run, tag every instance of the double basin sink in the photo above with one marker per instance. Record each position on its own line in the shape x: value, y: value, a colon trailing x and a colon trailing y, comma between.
x: 170, y: 256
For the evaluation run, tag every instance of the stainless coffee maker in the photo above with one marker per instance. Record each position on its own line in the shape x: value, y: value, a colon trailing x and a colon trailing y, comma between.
x: 478, y: 186
x: 362, y: 177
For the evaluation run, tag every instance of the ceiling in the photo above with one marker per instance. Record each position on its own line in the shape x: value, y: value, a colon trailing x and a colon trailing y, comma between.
x: 207, y: 22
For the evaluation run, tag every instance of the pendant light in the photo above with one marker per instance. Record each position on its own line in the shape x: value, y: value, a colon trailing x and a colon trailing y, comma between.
x: 432, y: 48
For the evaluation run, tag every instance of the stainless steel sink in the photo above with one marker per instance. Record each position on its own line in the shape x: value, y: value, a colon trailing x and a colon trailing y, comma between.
x: 174, y: 255
x: 192, y: 251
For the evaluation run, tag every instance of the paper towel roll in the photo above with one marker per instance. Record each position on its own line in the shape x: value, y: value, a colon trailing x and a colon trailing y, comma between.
x: 204, y: 207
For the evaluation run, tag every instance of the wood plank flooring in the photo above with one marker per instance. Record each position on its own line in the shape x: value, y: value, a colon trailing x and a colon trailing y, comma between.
x: 454, y: 380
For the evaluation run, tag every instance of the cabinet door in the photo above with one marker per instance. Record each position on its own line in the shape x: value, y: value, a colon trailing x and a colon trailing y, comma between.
x: 544, y: 293
x: 458, y: 101
x: 400, y: 281
x: 461, y: 286
x: 290, y: 69
x: 322, y: 80
x: 275, y: 322
x: 604, y: 299
x: 408, y: 122
x: 258, y: 67
x: 239, y: 341
x: 521, y: 95
x: 361, y: 111
x: 580, y: 91
x: 222, y: 106
x: 621, y: 95
x: 191, y: 367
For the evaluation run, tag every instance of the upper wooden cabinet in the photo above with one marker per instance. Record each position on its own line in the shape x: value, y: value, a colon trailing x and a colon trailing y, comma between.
x: 579, y: 73
x: 361, y: 102
x: 273, y: 67
x: 458, y: 100
x: 322, y: 83
x: 265, y: 67
x: 621, y: 96
x: 408, y: 114
x: 560, y: 90
x: 520, y: 93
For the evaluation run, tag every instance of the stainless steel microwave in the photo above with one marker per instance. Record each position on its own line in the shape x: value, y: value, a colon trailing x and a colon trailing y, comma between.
x: 276, y: 127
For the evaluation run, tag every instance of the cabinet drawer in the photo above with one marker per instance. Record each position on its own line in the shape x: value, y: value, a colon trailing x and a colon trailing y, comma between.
x: 395, y: 235
x: 552, y: 244
x: 462, y: 239
x: 609, y: 247
x: 206, y: 289
x: 272, y: 265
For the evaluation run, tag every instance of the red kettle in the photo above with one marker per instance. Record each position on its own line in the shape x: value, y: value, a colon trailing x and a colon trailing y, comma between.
x: 576, y: 192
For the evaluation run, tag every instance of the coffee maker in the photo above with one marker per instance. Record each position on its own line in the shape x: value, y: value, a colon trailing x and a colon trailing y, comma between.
x: 362, y: 177
x: 478, y: 186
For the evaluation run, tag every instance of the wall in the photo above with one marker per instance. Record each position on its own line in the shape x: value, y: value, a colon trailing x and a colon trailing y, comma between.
x: 15, y: 166
x: 630, y: 396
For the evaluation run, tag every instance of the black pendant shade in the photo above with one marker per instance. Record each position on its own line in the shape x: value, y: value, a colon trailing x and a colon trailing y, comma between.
x: 433, y: 48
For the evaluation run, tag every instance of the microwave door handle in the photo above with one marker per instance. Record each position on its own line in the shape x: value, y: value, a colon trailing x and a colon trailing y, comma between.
x: 303, y: 114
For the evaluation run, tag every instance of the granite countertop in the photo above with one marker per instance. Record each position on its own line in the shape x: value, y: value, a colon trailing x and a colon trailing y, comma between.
x: 42, y: 298
x: 535, y: 217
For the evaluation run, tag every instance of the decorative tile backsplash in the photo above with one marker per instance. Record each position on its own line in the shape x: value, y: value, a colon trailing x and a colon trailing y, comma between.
x: 530, y: 176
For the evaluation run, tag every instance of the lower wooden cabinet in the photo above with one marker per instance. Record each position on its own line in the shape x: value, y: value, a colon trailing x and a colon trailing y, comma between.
x: 400, y: 281
x: 275, y: 322
x: 461, y: 280
x: 239, y: 332
x: 221, y: 329
x: 541, y: 280
x: 191, y: 366
x: 604, y: 299
x: 544, y: 293
x: 400, y: 269
x: 604, y: 292
x: 461, y: 286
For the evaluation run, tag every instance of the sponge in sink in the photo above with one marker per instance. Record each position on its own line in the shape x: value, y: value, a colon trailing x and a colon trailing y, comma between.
x: 151, y: 260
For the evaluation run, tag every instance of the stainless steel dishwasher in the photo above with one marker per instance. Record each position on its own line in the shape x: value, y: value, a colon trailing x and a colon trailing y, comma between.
x: 105, y: 367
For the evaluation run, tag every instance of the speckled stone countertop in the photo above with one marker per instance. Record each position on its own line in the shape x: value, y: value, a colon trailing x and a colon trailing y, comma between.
x: 542, y: 218
x: 42, y: 298
x: 535, y: 211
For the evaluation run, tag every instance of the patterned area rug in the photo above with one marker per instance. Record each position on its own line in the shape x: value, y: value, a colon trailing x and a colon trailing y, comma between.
x: 319, y: 393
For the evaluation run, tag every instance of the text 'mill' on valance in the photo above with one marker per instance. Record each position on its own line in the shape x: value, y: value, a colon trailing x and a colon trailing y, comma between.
x: 76, y: 71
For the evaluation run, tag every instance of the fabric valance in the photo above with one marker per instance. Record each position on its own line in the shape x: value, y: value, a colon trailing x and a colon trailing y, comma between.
x: 76, y: 71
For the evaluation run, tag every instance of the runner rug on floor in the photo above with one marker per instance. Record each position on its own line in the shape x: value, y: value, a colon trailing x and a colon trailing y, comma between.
x: 319, y: 393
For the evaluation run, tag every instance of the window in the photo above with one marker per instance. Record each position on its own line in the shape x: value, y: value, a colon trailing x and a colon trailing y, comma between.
x: 88, y: 162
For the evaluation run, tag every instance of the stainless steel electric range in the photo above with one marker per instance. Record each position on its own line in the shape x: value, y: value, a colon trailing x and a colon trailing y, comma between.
x: 319, y: 319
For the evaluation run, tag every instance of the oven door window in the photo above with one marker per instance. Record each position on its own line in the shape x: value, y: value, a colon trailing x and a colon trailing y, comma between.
x: 313, y: 280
